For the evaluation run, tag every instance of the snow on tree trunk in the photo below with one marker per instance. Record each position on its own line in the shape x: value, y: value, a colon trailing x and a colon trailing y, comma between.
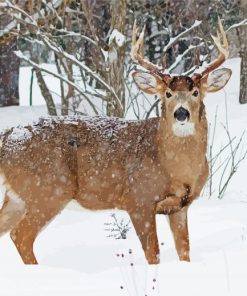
x: 116, y: 57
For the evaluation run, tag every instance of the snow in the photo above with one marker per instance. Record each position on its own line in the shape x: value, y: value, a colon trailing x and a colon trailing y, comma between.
x: 76, y: 257
x: 25, y: 79
x: 106, y: 127
x: 118, y: 37
x: 19, y: 133
x: 17, y: 137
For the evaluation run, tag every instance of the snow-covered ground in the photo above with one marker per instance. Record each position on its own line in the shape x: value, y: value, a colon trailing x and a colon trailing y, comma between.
x: 77, y: 258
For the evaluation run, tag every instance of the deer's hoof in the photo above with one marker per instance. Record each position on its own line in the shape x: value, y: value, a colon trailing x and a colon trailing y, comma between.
x: 154, y: 259
x: 184, y: 257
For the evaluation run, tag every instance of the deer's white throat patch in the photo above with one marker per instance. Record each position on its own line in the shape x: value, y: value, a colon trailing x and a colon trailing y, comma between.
x: 183, y: 129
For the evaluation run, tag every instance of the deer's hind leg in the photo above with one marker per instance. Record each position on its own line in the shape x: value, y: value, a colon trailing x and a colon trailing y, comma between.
x: 25, y: 233
x: 41, y: 208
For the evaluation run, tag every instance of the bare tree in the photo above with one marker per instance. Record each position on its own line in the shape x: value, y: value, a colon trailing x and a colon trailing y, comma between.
x: 88, y: 41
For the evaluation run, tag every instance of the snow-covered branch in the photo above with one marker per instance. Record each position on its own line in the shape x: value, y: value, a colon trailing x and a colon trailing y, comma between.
x: 181, y: 56
x: 28, y: 18
x: 58, y: 51
x: 40, y: 68
x: 71, y: 58
x: 242, y: 23
x: 82, y: 92
x: 175, y: 39
x: 158, y: 33
x: 65, y: 33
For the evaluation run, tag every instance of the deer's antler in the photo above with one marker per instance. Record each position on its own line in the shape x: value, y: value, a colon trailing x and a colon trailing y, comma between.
x: 137, y: 53
x: 222, y: 44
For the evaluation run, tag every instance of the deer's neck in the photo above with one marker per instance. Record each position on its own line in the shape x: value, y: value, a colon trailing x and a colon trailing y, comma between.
x: 169, y: 143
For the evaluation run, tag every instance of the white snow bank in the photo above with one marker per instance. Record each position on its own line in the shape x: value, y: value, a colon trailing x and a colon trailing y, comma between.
x: 76, y: 257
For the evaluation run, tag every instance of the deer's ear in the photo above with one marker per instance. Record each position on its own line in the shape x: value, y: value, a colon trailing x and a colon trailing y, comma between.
x: 147, y: 82
x: 218, y: 79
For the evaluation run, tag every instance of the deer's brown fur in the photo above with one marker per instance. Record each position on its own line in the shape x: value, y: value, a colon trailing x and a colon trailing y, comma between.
x: 102, y: 163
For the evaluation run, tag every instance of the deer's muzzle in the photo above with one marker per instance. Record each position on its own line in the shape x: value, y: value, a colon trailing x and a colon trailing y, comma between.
x: 182, y: 114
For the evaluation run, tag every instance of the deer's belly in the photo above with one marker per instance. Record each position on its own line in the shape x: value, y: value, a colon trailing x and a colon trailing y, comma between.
x: 114, y: 187
x: 100, y: 189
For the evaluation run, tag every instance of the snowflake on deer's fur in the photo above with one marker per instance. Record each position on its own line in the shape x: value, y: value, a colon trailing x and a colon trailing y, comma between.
x: 118, y: 229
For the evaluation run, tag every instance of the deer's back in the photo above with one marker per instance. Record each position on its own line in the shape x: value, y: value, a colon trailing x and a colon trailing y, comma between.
x: 94, y: 155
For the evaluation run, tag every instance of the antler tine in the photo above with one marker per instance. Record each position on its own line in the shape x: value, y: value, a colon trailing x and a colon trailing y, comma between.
x: 223, y: 48
x: 133, y: 41
x: 222, y: 44
x: 137, y: 45
x: 137, y: 52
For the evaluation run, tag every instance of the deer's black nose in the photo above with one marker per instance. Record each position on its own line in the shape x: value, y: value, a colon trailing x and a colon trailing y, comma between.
x: 181, y: 114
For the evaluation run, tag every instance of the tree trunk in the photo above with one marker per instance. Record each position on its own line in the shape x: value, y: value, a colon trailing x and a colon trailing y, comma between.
x: 115, y: 73
x: 9, y: 73
x: 243, y: 55
x: 9, y: 64
x: 46, y: 93
x: 243, y: 75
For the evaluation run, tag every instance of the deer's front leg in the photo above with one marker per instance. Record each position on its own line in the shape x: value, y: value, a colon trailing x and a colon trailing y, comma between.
x: 174, y: 202
x: 145, y: 226
x: 179, y: 228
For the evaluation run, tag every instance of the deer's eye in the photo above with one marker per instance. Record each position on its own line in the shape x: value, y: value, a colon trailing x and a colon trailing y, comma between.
x: 195, y: 93
x: 168, y: 94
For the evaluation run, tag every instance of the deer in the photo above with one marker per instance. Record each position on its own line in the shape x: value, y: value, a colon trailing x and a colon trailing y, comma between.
x: 147, y: 167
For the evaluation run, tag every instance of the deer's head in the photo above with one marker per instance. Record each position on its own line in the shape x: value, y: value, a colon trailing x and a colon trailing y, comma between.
x: 181, y: 96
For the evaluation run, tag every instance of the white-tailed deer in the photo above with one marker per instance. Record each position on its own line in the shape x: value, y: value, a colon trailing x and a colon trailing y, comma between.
x: 145, y: 167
